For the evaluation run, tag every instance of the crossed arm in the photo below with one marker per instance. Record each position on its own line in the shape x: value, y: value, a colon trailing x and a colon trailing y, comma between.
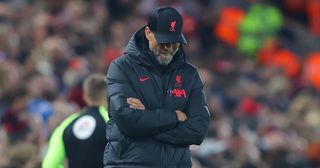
x: 191, y: 129
x: 136, y: 122
x: 165, y: 125
x: 136, y: 104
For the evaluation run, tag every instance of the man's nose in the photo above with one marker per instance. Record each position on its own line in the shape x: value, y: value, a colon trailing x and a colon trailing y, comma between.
x: 168, y: 46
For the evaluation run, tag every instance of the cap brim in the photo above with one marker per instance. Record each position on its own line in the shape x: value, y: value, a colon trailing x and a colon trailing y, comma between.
x: 170, y: 38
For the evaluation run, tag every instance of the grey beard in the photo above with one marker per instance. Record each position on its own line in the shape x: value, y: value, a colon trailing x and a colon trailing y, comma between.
x: 163, y: 61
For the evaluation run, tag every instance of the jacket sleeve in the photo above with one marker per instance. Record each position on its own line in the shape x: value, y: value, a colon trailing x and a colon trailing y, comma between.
x: 194, y: 129
x: 132, y: 122
x: 56, y: 155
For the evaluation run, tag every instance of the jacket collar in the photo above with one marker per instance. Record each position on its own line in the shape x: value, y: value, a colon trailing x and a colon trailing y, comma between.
x: 138, y: 49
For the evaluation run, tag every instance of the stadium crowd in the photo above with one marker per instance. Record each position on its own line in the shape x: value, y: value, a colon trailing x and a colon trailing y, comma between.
x: 259, y: 61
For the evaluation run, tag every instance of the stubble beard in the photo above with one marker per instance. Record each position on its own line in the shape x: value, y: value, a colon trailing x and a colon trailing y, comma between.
x: 163, y: 59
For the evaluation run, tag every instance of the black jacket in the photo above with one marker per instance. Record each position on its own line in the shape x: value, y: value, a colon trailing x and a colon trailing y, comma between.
x: 153, y: 137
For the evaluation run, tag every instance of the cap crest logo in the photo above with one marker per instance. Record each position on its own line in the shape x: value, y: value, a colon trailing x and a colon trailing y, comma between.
x: 172, y: 26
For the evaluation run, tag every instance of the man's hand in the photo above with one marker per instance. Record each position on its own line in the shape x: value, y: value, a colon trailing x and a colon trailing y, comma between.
x: 135, y: 103
x: 181, y: 115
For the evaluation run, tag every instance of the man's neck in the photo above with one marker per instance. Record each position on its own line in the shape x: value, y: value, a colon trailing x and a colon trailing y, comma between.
x: 97, y: 104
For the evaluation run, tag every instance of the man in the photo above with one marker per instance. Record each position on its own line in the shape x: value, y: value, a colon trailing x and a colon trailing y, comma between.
x: 81, y: 137
x: 156, y: 100
x: 15, y: 120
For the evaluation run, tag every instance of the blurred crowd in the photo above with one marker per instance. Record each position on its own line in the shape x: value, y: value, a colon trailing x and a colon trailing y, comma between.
x: 259, y: 61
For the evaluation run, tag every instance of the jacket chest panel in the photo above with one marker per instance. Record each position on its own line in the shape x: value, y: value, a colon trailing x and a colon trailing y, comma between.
x: 169, y: 90
x: 178, y: 90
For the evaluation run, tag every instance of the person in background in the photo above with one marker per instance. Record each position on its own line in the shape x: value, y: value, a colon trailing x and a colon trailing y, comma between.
x: 156, y: 100
x: 15, y: 119
x: 81, y: 137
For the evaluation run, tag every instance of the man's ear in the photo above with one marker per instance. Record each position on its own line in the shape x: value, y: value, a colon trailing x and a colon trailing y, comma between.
x: 86, y: 99
x: 147, y: 29
x: 147, y: 32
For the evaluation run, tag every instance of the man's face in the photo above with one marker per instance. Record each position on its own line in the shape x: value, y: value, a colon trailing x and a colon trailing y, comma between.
x: 164, y: 52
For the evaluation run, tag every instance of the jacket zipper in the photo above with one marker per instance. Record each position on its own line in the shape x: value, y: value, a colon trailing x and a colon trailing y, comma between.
x: 165, y: 83
x: 162, y: 77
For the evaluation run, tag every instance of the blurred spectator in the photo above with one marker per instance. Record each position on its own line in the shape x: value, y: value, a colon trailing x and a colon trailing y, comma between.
x: 262, y: 21
x: 227, y: 28
x: 15, y: 120
x: 22, y: 155
x: 313, y: 11
x: 311, y: 70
